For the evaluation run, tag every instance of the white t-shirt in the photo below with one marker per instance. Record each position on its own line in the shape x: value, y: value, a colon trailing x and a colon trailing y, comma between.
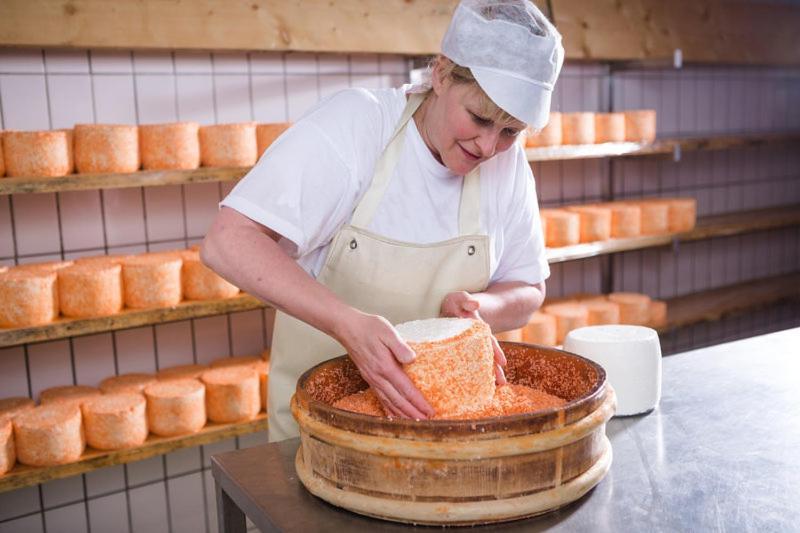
x: 307, y: 184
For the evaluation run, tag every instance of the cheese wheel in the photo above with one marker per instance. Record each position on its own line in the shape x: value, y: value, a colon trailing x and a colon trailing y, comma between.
x: 640, y: 125
x: 634, y: 308
x: 152, y: 280
x: 595, y: 222
x: 601, y: 311
x: 609, y: 127
x: 514, y: 335
x: 454, y: 364
x: 267, y: 133
x: 8, y: 455
x: 49, y: 435
x: 47, y: 266
x: 37, y: 153
x: 228, y: 145
x: 115, y: 421
x: 563, y: 227
x: 550, y: 135
x: 681, y: 214
x: 127, y: 383
x: 2, y: 158
x: 170, y: 146
x: 90, y: 290
x: 577, y: 128
x: 28, y: 297
x: 654, y: 216
x: 626, y: 219
x: 106, y: 148
x: 202, y: 283
x: 181, y: 372
x: 658, y: 314
x: 11, y: 407
x: 176, y: 407
x: 569, y: 316
x: 238, y: 360
x: 233, y: 394
x: 541, y: 329
x: 104, y: 259
x: 67, y: 394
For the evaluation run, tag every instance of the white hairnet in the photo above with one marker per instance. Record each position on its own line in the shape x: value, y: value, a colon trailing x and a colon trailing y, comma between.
x: 513, y: 51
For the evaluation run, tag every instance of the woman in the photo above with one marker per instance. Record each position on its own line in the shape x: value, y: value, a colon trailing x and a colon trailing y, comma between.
x: 382, y: 206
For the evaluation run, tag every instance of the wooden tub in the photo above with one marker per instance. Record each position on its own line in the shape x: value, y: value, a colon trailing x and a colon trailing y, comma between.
x: 461, y: 472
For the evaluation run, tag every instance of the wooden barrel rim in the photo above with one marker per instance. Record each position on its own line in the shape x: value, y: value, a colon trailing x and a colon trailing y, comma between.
x: 461, y: 513
x: 459, y: 430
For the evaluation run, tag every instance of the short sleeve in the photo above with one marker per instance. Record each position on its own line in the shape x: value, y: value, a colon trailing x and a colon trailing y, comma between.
x: 523, y: 255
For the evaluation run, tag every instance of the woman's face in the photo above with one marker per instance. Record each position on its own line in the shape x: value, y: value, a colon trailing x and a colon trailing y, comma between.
x: 457, y: 132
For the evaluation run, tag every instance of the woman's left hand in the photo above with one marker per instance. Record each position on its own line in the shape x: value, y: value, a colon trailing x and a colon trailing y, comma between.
x: 462, y: 304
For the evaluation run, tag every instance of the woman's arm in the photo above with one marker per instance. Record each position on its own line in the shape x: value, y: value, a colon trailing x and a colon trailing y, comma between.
x: 247, y: 254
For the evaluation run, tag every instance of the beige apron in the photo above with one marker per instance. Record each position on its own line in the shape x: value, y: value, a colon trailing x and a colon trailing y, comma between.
x: 397, y: 280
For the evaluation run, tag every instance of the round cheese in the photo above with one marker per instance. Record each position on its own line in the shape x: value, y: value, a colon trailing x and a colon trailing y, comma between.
x: 540, y: 329
x: 228, y: 145
x: 127, y: 383
x: 37, y: 153
x: 595, y: 222
x: 550, y: 135
x: 202, y: 283
x: 232, y: 393
x: 681, y: 214
x: 563, y: 227
x: 609, y: 127
x: 28, y: 297
x: 152, y: 280
x: 68, y: 394
x: 601, y: 312
x: 634, y: 308
x: 267, y: 133
x: 569, y: 316
x: 577, y: 128
x: 170, y: 146
x: 106, y: 148
x: 658, y: 314
x: 90, y: 289
x: 103, y: 259
x: 49, y: 435
x: 238, y: 360
x: 514, y: 335
x: 640, y: 125
x: 11, y: 407
x: 115, y: 421
x: 655, y: 216
x: 181, y: 372
x: 176, y: 407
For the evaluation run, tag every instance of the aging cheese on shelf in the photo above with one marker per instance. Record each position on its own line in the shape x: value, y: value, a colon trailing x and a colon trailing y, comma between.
x: 176, y: 407
x: 37, y: 153
x: 8, y: 453
x: 454, y: 364
x: 63, y: 394
x: 595, y: 222
x: 563, y: 227
x: 11, y: 407
x: 106, y: 148
x: 49, y: 435
x: 28, y: 297
x: 569, y: 316
x: 152, y: 280
x: 237, y: 360
x: 115, y: 421
x: 190, y: 371
x: 655, y: 216
x: 232, y: 393
x: 170, y: 146
x: 134, y: 383
x: 658, y: 314
x: 228, y: 145
x: 267, y: 133
x: 550, y: 135
x: 681, y: 214
x: 626, y: 219
x: 90, y: 289
x: 609, y: 127
x: 577, y: 128
x: 202, y: 283
x: 601, y: 311
x: 634, y: 308
x: 514, y: 335
x: 104, y: 259
x: 540, y: 329
x: 640, y: 125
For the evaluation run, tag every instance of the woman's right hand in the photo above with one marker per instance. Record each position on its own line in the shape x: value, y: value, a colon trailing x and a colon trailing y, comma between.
x: 378, y: 351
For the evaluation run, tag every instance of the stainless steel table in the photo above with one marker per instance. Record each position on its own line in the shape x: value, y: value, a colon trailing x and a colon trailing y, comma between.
x: 720, y: 453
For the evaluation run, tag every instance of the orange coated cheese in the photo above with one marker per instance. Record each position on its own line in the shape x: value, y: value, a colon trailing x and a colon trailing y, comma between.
x: 601, y: 312
x: 550, y: 135
x: 626, y: 219
x: 90, y: 289
x: 228, y: 145
x: 115, y: 421
x: 233, y: 393
x: 8, y: 452
x: 11, y: 407
x: 266, y: 134
x: 609, y: 127
x: 37, y: 153
x: 181, y: 372
x: 540, y: 329
x: 176, y: 407
x: 170, y: 146
x: 152, y: 280
x: 237, y: 360
x: 202, y: 283
x: 49, y: 435
x: 28, y: 297
x: 654, y: 216
x: 634, y: 308
x: 681, y: 214
x: 127, y: 383
x: 514, y: 335
x: 106, y: 148
x: 68, y: 394
x: 568, y: 316
x: 595, y: 222
x: 658, y: 314
x: 577, y: 128
x: 104, y: 259
x: 563, y: 227
x: 640, y: 125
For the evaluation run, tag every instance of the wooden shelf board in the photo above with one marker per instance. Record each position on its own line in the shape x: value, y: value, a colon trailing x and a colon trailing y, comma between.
x: 707, y: 227
x: 24, y: 476
x: 67, y: 327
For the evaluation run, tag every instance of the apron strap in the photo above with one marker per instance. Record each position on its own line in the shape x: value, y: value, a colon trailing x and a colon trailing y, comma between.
x: 469, y: 208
